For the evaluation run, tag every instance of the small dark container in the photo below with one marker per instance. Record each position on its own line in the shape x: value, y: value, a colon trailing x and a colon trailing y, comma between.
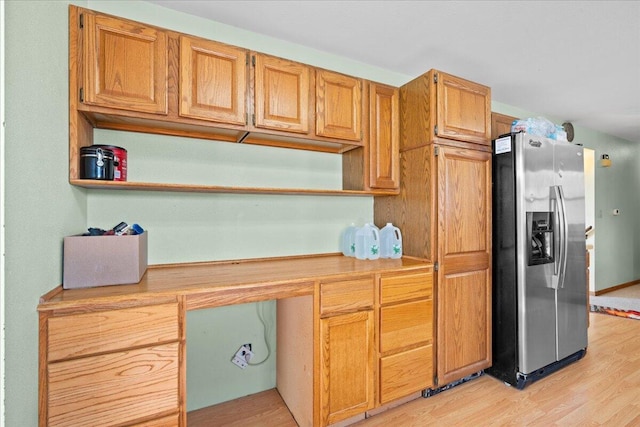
x: 96, y: 163
x: 119, y: 161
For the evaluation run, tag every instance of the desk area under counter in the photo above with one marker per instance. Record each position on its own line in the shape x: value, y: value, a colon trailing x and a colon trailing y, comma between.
x: 116, y: 355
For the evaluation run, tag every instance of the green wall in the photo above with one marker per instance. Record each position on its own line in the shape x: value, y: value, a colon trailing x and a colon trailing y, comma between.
x: 41, y: 207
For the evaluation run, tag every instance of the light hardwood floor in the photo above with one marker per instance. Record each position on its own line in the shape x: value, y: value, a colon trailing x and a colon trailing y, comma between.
x: 602, y: 389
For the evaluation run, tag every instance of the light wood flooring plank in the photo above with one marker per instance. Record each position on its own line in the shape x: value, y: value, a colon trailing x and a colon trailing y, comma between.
x: 264, y: 409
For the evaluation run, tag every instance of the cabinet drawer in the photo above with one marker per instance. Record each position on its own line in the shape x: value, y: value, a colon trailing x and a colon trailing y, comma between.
x: 405, y: 287
x: 346, y: 295
x: 97, y: 332
x: 404, y: 373
x: 407, y: 324
x: 114, y: 389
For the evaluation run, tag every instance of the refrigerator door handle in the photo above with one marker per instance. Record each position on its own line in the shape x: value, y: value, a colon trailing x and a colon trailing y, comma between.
x: 560, y: 265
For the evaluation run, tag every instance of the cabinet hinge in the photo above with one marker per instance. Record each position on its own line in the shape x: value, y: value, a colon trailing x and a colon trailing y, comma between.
x: 436, y: 266
x: 81, y: 20
x: 246, y: 58
x: 81, y: 95
x: 253, y: 60
x: 253, y: 119
x: 435, y: 77
x: 435, y: 130
x: 436, y: 151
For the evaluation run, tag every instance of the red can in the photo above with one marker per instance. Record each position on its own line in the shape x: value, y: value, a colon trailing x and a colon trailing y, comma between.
x: 119, y: 161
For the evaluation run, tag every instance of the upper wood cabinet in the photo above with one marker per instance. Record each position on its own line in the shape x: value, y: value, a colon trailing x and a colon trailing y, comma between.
x: 500, y: 124
x: 384, y: 137
x: 281, y: 94
x: 464, y: 109
x: 439, y: 107
x: 338, y: 106
x: 134, y: 77
x: 125, y: 64
x: 213, y: 81
x: 376, y: 165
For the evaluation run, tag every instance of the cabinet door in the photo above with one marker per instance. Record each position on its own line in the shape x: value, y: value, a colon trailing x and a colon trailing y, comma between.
x: 463, y: 110
x: 281, y: 94
x: 384, y: 137
x: 464, y: 254
x: 125, y: 65
x: 347, y: 365
x: 213, y: 81
x: 338, y: 106
x: 500, y: 124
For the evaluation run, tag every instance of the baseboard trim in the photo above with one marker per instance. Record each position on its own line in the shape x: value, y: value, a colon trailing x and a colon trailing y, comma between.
x: 615, y: 288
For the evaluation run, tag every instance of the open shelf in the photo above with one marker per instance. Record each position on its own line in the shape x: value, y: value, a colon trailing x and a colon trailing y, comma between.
x: 196, y: 188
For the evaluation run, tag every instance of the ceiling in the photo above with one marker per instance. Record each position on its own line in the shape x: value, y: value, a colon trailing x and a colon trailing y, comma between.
x: 577, y: 61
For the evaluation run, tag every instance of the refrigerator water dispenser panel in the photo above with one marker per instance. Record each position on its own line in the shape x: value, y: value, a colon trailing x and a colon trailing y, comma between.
x: 540, y: 236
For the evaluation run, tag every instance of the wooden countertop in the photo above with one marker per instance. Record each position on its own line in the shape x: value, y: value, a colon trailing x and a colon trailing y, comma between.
x: 217, y: 283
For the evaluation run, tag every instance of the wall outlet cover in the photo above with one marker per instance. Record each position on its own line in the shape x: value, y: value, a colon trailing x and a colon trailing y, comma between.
x: 242, y: 356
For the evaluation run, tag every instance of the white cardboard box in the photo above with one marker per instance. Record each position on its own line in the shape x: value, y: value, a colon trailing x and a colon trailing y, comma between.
x: 104, y: 260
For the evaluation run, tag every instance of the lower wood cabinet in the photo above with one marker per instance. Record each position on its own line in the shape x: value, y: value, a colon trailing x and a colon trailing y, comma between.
x: 112, y: 367
x: 406, y: 334
x: 347, y: 348
x: 373, y: 344
x: 348, y: 341
x: 348, y: 368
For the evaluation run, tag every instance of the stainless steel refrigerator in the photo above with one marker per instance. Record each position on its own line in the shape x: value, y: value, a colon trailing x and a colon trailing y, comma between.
x: 539, y: 257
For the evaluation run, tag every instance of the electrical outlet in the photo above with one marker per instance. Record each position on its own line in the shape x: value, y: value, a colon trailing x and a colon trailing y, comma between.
x: 242, y: 356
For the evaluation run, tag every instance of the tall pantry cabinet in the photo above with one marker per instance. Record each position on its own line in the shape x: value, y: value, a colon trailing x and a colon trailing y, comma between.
x: 444, y: 211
